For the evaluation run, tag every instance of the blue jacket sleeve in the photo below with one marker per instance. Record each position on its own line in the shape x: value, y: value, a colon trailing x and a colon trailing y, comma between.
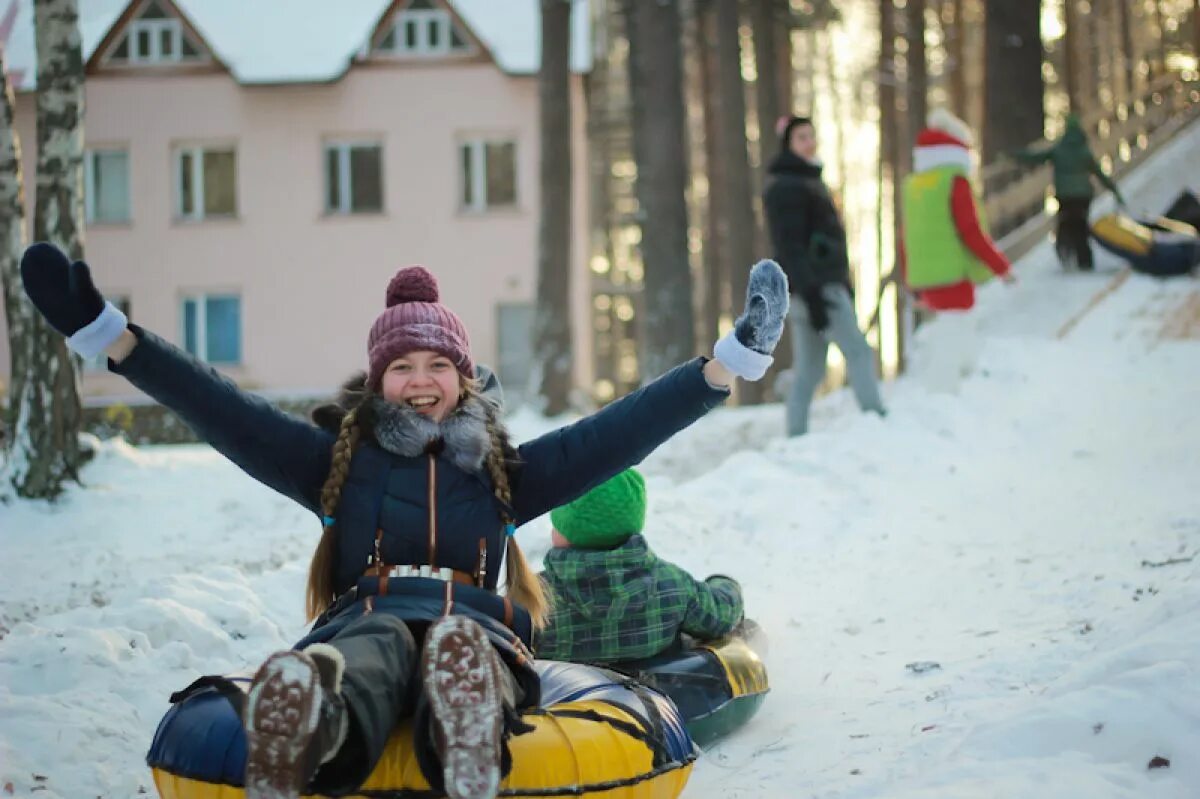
x: 277, y: 449
x: 566, y: 463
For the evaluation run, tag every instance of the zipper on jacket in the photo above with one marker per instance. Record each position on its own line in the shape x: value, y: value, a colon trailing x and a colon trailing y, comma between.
x: 432, y: 514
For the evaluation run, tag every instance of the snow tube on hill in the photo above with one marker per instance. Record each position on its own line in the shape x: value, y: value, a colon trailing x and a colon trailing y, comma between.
x: 1160, y: 247
x: 596, y: 734
x: 717, y: 687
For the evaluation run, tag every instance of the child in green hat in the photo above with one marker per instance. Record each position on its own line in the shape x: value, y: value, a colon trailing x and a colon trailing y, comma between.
x: 613, y: 598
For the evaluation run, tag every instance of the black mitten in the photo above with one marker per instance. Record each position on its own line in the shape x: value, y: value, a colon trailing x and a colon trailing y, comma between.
x: 64, y: 294
x: 746, y: 350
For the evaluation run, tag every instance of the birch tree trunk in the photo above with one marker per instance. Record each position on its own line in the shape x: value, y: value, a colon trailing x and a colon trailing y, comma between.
x: 46, y: 410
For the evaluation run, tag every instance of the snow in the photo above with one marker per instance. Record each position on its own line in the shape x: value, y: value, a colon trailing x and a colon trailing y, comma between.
x: 1030, y: 531
x: 307, y: 40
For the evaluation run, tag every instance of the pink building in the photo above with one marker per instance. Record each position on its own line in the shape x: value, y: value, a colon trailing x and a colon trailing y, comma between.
x: 256, y: 170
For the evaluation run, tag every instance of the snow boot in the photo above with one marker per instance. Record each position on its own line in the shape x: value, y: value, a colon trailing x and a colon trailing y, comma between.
x: 462, y: 677
x: 295, y: 720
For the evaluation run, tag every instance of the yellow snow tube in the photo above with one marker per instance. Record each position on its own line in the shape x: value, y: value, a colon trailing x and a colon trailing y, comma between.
x: 595, y: 735
x: 1123, y: 236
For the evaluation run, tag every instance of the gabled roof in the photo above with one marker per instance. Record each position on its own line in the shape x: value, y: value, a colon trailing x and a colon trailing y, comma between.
x: 306, y: 41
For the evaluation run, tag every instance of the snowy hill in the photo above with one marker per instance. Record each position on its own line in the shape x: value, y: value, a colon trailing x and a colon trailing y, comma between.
x: 1032, y: 534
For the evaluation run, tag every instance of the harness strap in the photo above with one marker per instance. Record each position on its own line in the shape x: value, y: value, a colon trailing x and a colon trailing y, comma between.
x: 222, y: 685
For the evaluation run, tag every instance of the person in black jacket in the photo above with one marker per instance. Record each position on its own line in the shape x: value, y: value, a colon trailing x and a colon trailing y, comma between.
x: 419, y: 493
x: 810, y: 244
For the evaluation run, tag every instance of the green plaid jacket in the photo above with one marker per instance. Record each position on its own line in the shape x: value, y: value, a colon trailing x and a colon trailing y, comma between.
x: 627, y: 604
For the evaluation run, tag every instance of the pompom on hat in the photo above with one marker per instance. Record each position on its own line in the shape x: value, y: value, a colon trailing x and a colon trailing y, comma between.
x: 940, y: 119
x: 415, y: 320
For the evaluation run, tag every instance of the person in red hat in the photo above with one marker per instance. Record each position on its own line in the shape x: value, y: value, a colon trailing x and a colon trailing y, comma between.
x: 945, y: 249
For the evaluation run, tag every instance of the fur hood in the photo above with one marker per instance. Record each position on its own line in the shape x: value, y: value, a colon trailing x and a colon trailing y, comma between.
x: 463, y: 436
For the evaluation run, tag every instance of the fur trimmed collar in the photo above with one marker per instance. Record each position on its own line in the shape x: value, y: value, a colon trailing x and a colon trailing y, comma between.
x: 463, y: 436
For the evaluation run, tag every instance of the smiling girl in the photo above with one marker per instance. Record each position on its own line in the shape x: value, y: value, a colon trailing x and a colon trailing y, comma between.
x: 419, y: 492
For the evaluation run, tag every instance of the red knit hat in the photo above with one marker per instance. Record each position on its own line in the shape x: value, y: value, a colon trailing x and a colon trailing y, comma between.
x: 415, y: 320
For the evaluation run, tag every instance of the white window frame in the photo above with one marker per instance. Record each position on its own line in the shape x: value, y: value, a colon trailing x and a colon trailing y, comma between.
x: 155, y: 27
x: 198, y: 152
x: 478, y: 147
x: 201, y: 299
x: 343, y: 148
x: 425, y: 19
x: 89, y: 184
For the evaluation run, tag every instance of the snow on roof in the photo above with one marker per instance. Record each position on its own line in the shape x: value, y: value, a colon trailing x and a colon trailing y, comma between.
x: 512, y: 31
x: 301, y: 41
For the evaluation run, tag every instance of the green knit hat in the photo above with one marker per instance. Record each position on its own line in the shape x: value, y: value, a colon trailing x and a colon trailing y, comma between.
x: 607, y: 515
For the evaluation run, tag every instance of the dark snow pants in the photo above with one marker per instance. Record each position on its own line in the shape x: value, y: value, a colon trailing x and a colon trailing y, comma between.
x: 1071, y: 238
x: 381, y: 686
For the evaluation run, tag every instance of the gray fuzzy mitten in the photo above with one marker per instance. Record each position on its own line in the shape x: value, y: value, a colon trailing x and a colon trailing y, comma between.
x: 746, y: 350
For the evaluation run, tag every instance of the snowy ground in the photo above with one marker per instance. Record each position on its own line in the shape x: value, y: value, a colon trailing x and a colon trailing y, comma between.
x: 1007, y: 532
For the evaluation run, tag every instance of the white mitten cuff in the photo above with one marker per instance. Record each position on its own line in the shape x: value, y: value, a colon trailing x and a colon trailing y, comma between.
x: 94, y: 339
x: 740, y: 359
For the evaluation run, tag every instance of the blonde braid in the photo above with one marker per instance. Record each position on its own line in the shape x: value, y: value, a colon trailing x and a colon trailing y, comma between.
x: 524, y: 586
x: 320, y: 571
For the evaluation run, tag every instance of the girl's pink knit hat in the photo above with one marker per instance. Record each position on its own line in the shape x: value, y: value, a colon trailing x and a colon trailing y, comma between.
x: 415, y: 320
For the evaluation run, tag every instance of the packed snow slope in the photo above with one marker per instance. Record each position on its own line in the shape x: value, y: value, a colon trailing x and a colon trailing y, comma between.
x: 1031, y: 532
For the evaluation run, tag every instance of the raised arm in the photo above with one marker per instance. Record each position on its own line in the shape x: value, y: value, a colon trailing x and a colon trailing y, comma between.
x: 562, y: 465
x: 1032, y: 155
x: 279, y: 450
x: 565, y: 463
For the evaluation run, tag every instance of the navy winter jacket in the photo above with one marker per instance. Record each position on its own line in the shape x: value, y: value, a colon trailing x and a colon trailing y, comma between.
x: 390, y: 493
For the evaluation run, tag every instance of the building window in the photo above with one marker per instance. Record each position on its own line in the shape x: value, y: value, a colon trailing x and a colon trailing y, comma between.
x: 489, y: 174
x: 423, y: 29
x: 100, y: 362
x: 353, y: 177
x: 212, y: 327
x: 207, y: 181
x: 106, y: 186
x: 514, y: 348
x: 155, y: 37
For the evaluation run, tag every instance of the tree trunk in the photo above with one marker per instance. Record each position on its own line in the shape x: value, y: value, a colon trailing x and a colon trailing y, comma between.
x: 1160, y: 26
x: 889, y: 153
x: 958, y: 62
x: 47, y: 410
x: 739, y: 240
x: 918, y: 68
x: 552, y: 325
x: 1128, y: 54
x: 1013, y: 85
x: 656, y: 90
x: 1092, y: 68
x: 1196, y: 30
x: 1070, y: 59
x: 772, y: 96
x: 716, y: 279
x: 23, y: 395
x: 763, y: 21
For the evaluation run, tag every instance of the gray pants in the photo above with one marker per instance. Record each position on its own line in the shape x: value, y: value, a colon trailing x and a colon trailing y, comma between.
x: 811, y: 350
